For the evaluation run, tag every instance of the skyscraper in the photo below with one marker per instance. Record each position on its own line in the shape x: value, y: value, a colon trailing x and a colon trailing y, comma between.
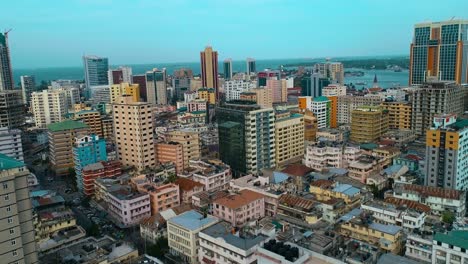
x: 313, y: 84
x: 6, y: 72
x: 227, y: 66
x: 251, y: 67
x: 156, y: 87
x: 95, y: 71
x: 141, y: 81
x: 446, y: 159
x: 28, y: 85
x: 11, y: 109
x: 209, y: 69
x: 247, y: 133
x: 123, y: 74
x: 181, y: 85
x: 439, y: 50
x: 49, y: 106
x: 369, y: 124
x: 332, y: 70
x: 17, y: 237
x: 133, y: 129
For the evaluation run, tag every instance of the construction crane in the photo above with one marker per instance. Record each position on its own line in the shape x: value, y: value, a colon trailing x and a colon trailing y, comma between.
x: 7, y: 31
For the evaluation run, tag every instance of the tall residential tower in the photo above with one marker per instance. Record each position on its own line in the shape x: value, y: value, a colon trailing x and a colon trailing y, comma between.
x: 6, y: 72
x: 209, y: 69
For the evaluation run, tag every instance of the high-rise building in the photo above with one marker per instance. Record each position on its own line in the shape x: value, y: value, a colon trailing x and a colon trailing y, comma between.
x: 183, y: 73
x: 95, y: 71
x: 431, y: 99
x: 17, y: 239
x: 209, y: 69
x: 439, y: 51
x: 369, y: 124
x: 313, y: 84
x: 88, y: 149
x: 141, y: 81
x: 347, y: 103
x: 181, y: 86
x: 61, y: 139
x: 156, y: 87
x: 331, y: 70
x: 133, y: 129
x: 321, y: 107
x: 279, y: 90
x: 264, y: 76
x: 251, y: 67
x: 10, y: 143
x: 310, y: 126
x: 208, y: 94
x: 399, y: 114
x: 247, y: 133
x: 123, y: 74
x: 171, y: 152
x: 333, y: 111
x: 117, y: 90
x: 227, y: 66
x: 11, y: 109
x: 28, y: 85
x: 6, y: 71
x: 446, y: 159
x: 289, y: 138
x: 334, y: 90
x: 190, y: 141
x: 48, y: 106
x: 92, y: 118
x: 233, y: 88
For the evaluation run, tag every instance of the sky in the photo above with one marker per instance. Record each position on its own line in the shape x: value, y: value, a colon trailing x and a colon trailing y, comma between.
x: 56, y: 33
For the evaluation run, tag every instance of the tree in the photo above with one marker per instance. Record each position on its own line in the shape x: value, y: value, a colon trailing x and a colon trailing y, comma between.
x: 72, y: 176
x: 171, y: 177
x: 93, y: 230
x: 448, y: 217
x: 159, y: 249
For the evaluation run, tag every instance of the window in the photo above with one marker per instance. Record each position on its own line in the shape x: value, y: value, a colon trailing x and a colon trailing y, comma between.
x: 13, y: 242
x: 10, y: 220
x: 12, y: 231
x: 8, y: 209
x: 14, y: 253
x: 5, y: 185
x: 7, y: 197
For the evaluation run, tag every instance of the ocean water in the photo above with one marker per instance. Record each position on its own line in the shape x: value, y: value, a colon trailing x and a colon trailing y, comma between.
x: 386, y: 78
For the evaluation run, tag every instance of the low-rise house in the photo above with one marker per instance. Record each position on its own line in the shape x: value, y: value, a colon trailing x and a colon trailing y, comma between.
x: 188, y: 188
x: 214, y: 174
x: 451, y: 247
x: 386, y: 213
x: 298, y: 173
x: 361, y: 227
x: 325, y: 190
x: 220, y: 243
x: 162, y: 197
x: 365, y: 166
x: 128, y: 207
x: 438, y: 199
x: 419, y: 248
x: 240, y: 208
x: 182, y: 232
x: 298, y: 210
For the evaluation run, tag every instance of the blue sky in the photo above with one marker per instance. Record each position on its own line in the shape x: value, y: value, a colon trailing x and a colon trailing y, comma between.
x: 52, y: 33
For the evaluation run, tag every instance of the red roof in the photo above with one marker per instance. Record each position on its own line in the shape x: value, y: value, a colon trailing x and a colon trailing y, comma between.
x: 187, y: 184
x: 238, y: 200
x: 297, y: 170
x: 322, y: 183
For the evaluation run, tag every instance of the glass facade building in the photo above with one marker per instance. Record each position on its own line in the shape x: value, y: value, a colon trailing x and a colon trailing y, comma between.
x: 6, y: 72
x: 313, y: 85
x: 439, y: 51
x: 227, y: 67
x: 96, y: 71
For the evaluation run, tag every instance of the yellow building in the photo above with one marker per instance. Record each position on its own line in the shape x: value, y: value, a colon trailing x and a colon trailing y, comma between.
x: 208, y: 94
x: 190, y: 142
x: 326, y: 190
x: 333, y: 111
x: 399, y: 114
x: 117, y: 90
x: 289, y: 140
x: 360, y: 227
x: 50, y: 222
x: 264, y: 97
x: 369, y: 124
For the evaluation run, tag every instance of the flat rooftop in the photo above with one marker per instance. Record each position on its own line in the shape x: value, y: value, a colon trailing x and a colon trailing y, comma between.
x: 223, y: 230
x: 192, y: 220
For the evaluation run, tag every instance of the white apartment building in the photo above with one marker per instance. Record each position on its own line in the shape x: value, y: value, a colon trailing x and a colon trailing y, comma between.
x: 214, y: 174
x: 320, y: 109
x: 219, y: 245
x: 49, y: 106
x: 419, y: 248
x: 451, y: 247
x: 389, y: 214
x: 182, y: 234
x: 72, y: 96
x: 10, y: 143
x: 334, y: 90
x: 322, y: 156
x: 233, y: 88
x: 438, y: 199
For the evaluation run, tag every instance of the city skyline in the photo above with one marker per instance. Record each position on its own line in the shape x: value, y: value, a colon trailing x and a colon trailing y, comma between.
x: 183, y: 28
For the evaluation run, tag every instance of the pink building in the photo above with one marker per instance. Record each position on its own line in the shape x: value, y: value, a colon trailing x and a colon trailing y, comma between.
x: 238, y: 209
x: 277, y: 90
x: 127, y: 207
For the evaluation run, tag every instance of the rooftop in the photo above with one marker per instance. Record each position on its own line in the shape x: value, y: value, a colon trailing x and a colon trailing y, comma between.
x: 321, y: 99
x: 238, y: 200
x: 296, y: 202
x: 388, y: 229
x: 66, y: 125
x: 124, y: 194
x: 429, y: 191
x: 186, y: 184
x: 192, y: 220
x: 390, y: 258
x: 297, y: 170
x: 224, y: 231
x: 7, y: 163
x: 408, y: 203
x: 346, y: 189
x: 458, y: 238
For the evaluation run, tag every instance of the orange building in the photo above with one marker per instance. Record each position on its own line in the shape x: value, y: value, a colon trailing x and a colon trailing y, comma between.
x: 333, y: 111
x: 170, y: 152
x: 188, y: 188
x: 162, y: 197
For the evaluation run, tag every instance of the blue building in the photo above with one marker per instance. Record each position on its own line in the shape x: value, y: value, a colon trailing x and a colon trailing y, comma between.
x: 88, y: 149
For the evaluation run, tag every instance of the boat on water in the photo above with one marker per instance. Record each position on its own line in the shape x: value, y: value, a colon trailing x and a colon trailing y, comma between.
x: 361, y: 83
